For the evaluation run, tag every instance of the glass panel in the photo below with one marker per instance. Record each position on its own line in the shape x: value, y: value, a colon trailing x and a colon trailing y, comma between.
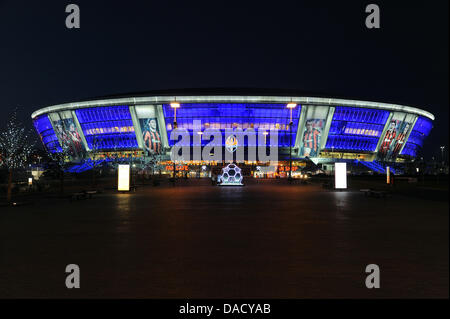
x: 46, y: 133
x: 356, y: 129
x: 108, y: 127
x: 235, y: 115
x: 416, y: 139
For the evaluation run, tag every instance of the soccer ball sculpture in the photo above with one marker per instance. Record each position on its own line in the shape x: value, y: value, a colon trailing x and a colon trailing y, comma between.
x: 231, y: 176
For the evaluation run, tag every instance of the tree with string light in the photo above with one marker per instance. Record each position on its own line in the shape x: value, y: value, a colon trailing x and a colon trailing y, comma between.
x: 15, y: 148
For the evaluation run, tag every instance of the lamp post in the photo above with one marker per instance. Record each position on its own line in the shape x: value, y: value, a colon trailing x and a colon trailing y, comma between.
x: 265, y: 137
x: 290, y: 106
x: 175, y: 105
x: 442, y: 153
x: 131, y: 169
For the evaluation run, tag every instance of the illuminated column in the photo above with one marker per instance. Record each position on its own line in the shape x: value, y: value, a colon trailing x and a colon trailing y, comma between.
x: 137, y: 126
x: 162, y: 125
x: 388, y: 175
x: 301, y: 127
x: 340, y: 175
x: 386, y: 126
x: 78, y: 126
x: 290, y: 106
x: 175, y: 105
x: 326, y: 130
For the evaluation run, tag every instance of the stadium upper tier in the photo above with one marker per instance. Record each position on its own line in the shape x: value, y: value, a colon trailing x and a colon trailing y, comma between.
x: 321, y: 127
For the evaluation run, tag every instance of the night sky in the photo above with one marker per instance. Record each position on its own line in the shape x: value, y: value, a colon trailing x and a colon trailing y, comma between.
x: 311, y: 46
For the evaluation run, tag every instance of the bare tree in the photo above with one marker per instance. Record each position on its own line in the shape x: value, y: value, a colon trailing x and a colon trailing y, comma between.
x: 15, y: 148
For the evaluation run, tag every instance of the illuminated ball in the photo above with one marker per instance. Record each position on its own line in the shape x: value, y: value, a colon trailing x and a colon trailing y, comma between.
x: 231, y: 174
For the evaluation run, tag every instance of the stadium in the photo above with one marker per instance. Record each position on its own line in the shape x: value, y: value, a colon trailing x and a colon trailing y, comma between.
x: 312, y: 130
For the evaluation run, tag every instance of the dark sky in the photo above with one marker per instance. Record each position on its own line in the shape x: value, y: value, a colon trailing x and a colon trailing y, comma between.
x: 314, y: 46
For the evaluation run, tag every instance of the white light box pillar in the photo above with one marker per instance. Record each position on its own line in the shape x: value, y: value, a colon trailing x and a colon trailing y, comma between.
x: 340, y: 175
x: 123, y: 183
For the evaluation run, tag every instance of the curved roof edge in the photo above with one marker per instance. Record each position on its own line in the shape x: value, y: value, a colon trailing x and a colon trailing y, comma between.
x: 158, y: 99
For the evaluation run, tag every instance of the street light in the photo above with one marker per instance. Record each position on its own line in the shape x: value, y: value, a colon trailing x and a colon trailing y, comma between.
x: 290, y: 106
x: 175, y: 105
x: 265, y: 137
x: 442, y: 153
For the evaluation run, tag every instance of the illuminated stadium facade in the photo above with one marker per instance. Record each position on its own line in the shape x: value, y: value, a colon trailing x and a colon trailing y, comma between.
x: 323, y: 130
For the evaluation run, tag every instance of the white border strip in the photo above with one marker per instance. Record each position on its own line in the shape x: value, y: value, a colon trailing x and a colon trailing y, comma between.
x: 232, y: 99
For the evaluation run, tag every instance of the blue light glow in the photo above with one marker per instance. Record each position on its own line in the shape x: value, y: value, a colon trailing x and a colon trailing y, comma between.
x: 352, y: 129
x: 110, y: 127
x: 235, y: 115
x: 356, y: 129
x: 47, y: 134
x: 417, y: 136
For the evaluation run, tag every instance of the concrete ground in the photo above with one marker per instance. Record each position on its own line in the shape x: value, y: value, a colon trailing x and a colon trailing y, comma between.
x: 263, y: 240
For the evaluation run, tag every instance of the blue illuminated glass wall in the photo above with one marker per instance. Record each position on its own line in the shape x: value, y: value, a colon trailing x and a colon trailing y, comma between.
x: 356, y: 129
x: 417, y: 136
x: 47, y: 134
x: 220, y: 116
x: 107, y: 127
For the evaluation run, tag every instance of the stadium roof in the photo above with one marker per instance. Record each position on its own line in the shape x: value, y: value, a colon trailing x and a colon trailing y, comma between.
x: 231, y: 95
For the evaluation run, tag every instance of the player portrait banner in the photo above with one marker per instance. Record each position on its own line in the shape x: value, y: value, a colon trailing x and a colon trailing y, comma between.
x: 313, y: 131
x: 151, y: 135
x: 395, y: 136
x: 67, y: 134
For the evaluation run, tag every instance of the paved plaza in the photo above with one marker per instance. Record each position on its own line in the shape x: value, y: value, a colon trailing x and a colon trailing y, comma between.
x: 263, y: 240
